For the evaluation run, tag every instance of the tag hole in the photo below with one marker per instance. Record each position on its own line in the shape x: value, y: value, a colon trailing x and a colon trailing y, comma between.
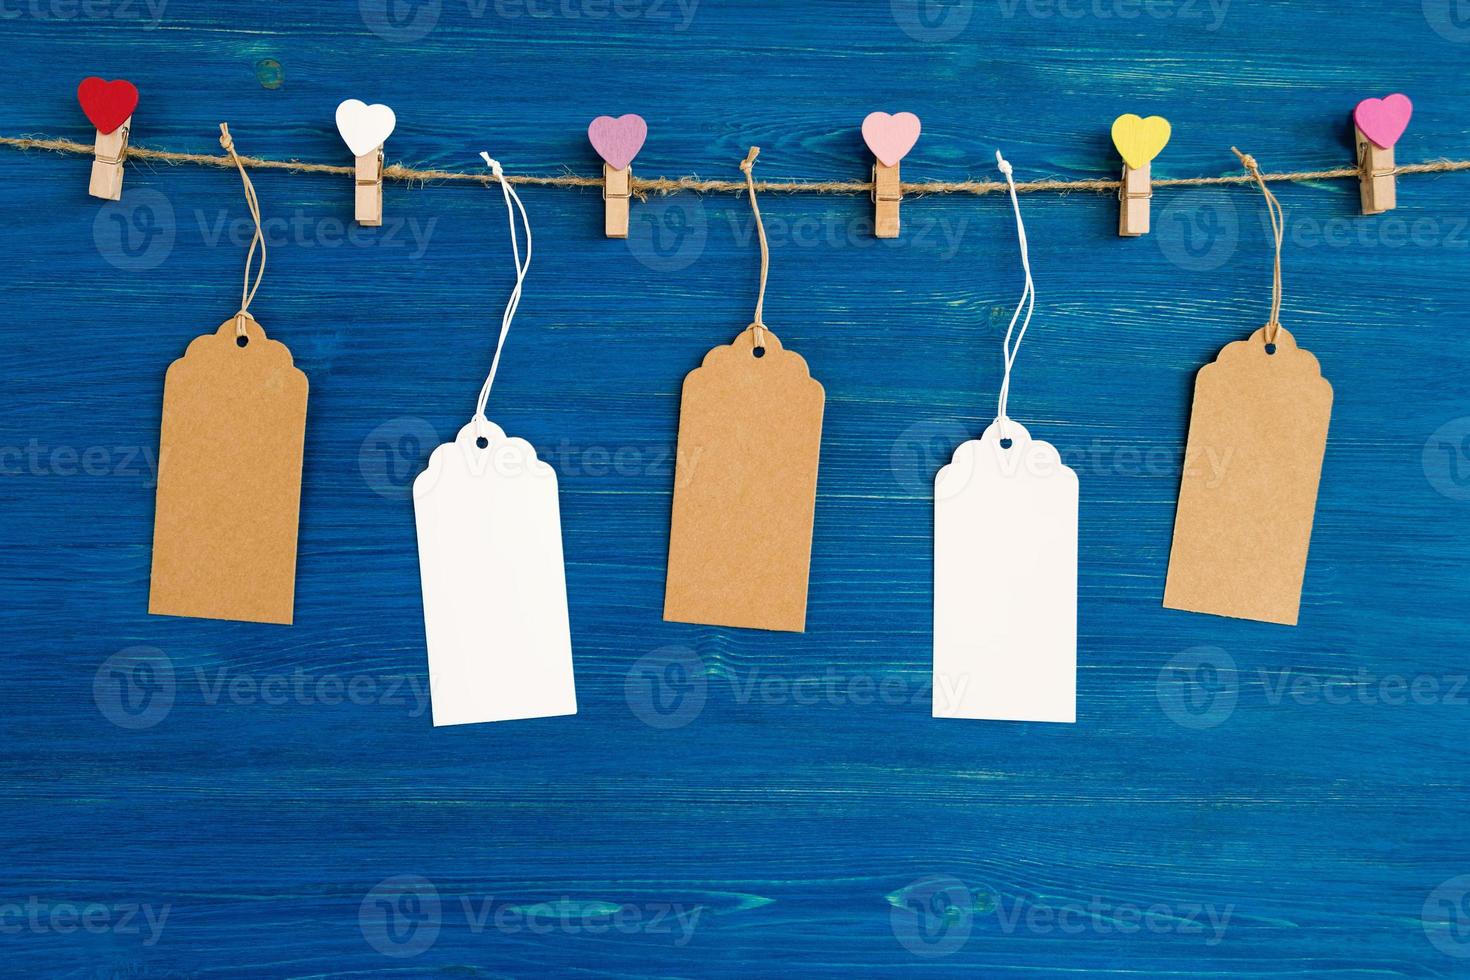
x: 1270, y: 348
x: 242, y: 341
x: 482, y: 442
x: 1007, y: 443
x: 758, y: 351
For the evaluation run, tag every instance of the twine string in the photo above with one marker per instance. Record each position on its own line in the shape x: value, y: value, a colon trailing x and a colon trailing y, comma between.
x: 1278, y: 225
x: 1027, y: 302
x: 247, y: 290
x: 514, y: 302
x: 642, y: 187
x: 759, y: 325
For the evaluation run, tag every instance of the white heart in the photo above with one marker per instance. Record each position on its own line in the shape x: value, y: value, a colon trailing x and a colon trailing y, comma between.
x: 364, y: 127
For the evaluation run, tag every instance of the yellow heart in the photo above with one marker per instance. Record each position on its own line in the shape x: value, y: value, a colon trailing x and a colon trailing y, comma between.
x: 1140, y: 140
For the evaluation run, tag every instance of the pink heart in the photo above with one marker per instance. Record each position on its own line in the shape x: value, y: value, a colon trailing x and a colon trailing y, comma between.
x: 618, y: 140
x: 1384, y: 120
x: 890, y: 137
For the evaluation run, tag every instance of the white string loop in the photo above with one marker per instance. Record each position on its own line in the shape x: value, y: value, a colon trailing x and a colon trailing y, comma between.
x: 1028, y: 302
x: 515, y: 294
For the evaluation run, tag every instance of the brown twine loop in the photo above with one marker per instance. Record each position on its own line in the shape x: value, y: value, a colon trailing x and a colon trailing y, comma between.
x: 644, y: 186
x: 1278, y: 224
x: 247, y: 291
x: 747, y: 165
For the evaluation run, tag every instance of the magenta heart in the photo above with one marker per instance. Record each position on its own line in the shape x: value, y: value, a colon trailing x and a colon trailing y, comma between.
x: 890, y: 137
x: 618, y: 140
x: 1384, y: 120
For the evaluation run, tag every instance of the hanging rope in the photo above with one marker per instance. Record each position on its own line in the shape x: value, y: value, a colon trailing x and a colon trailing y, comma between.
x: 1278, y: 226
x: 1027, y: 302
x: 759, y: 325
x: 514, y: 302
x: 247, y: 291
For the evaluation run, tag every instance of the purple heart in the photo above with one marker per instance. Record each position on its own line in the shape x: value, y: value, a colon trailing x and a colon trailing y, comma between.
x: 618, y: 140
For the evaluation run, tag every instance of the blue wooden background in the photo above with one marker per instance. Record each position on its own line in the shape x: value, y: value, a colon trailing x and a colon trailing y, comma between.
x: 193, y: 798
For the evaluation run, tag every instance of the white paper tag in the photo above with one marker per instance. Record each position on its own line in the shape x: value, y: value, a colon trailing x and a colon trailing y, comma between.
x: 1005, y: 582
x: 495, y: 591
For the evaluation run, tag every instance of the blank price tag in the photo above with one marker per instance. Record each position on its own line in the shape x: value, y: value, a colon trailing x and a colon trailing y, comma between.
x: 1249, y: 490
x: 229, y: 479
x: 495, y: 591
x: 745, y: 484
x: 1005, y: 581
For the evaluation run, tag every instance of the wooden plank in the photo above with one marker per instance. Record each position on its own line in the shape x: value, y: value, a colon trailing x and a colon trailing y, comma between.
x: 800, y: 820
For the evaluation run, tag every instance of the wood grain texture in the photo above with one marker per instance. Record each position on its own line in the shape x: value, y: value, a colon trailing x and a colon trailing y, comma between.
x: 796, y: 825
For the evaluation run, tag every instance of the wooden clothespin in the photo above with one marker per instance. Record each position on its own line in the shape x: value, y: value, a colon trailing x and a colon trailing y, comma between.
x: 890, y: 138
x: 617, y: 141
x: 109, y: 105
x: 1138, y: 141
x: 365, y: 128
x: 1377, y: 126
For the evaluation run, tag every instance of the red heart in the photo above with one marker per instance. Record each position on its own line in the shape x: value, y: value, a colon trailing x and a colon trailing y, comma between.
x: 107, y: 104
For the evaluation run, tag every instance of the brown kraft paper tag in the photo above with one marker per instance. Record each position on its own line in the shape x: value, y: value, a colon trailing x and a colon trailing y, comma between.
x: 745, y: 483
x: 1249, y: 490
x: 229, y: 480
